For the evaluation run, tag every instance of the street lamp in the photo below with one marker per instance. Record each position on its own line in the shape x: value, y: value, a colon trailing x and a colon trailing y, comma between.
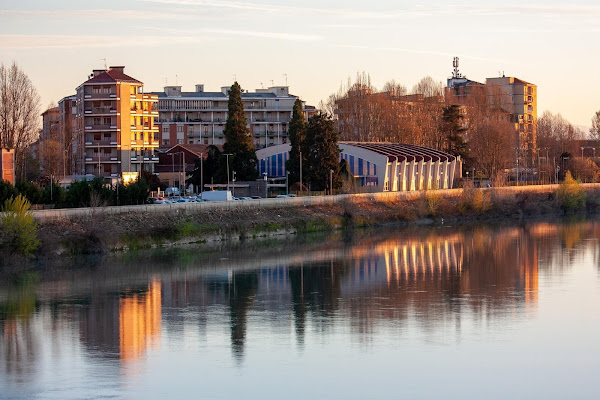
x: 227, y: 155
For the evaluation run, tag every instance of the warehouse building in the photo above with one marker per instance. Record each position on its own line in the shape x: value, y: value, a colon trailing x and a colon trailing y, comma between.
x: 382, y: 167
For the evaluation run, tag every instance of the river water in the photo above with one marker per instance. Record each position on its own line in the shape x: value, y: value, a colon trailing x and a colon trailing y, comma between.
x: 452, y: 312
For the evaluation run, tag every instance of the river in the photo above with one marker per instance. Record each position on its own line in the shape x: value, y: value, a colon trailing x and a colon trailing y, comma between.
x: 453, y: 312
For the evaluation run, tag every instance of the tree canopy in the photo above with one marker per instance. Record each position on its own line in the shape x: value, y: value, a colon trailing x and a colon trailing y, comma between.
x: 322, y: 152
x: 297, y: 135
x: 238, y: 139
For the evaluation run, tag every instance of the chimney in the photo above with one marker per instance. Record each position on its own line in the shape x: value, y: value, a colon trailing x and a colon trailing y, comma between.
x: 119, y: 69
x: 199, y: 88
x: 97, y: 72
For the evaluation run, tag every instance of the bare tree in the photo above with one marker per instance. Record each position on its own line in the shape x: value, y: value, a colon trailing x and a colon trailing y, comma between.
x: 19, y: 111
x: 492, y: 145
x: 595, y: 129
x: 428, y: 87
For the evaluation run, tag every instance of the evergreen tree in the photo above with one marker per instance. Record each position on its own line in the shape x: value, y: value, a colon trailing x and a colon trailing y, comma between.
x: 297, y: 134
x: 238, y: 140
x: 453, y: 130
x: 322, y: 152
x: 210, y: 168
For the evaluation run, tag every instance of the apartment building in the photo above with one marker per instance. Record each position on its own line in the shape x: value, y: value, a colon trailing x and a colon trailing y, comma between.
x: 72, y: 151
x: 199, y: 117
x: 115, y: 124
x: 519, y: 98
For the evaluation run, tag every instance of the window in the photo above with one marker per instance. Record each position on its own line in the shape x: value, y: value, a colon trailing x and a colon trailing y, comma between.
x: 97, y: 136
x: 155, y: 137
x: 179, y: 141
x: 165, y: 142
x: 107, y: 121
x: 107, y: 136
x: 107, y: 168
x: 165, y: 129
x: 106, y: 151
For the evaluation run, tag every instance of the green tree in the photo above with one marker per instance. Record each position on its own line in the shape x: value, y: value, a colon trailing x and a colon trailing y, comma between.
x: 297, y: 134
x: 453, y: 129
x: 54, y: 194
x: 19, y: 228
x: 7, y: 191
x: 210, y: 168
x: 133, y: 193
x: 89, y: 193
x: 153, y: 181
x: 238, y: 139
x: 322, y: 152
x: 31, y: 191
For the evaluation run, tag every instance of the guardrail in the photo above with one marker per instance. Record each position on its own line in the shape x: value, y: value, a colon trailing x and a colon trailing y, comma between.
x: 307, y: 201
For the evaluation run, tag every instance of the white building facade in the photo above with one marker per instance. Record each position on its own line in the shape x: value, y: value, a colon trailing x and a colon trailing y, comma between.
x: 382, y: 167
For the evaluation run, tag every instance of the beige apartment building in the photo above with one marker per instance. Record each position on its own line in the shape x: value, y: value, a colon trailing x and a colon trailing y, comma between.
x: 115, y: 124
x: 519, y: 98
x: 199, y: 117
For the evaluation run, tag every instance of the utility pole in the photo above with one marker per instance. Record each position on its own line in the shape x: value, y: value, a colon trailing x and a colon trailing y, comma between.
x: 227, y: 155
x: 201, y: 174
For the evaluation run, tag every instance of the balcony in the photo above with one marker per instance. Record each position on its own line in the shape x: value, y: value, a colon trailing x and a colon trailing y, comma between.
x: 101, y: 143
x: 103, y: 159
x: 99, y: 96
x: 100, y: 111
x: 101, y: 127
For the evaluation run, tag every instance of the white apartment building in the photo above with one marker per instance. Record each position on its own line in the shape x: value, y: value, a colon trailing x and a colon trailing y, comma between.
x: 199, y: 117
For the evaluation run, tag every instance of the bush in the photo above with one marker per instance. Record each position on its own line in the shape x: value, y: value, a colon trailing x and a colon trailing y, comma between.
x: 570, y: 194
x: 31, y: 191
x: 474, y: 201
x: 7, y: 191
x: 94, y: 193
x: 19, y: 229
x: 54, y: 194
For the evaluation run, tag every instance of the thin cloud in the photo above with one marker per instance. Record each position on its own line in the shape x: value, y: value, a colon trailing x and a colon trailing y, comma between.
x: 101, y: 13
x: 77, y: 41
x: 413, y: 51
x: 242, y: 33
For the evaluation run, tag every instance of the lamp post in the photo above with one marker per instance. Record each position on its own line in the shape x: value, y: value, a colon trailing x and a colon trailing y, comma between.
x: 227, y: 155
x: 300, y: 171
x: 331, y: 182
x: 201, y: 174
x: 287, y: 182
x: 233, y: 187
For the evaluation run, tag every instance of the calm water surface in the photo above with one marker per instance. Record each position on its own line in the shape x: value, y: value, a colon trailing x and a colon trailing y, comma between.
x: 470, y: 313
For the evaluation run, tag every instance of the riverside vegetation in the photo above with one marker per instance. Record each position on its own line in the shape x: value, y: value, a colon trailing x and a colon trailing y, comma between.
x: 101, y: 232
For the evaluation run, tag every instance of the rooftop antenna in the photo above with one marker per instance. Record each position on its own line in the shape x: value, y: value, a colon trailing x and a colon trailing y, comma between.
x: 272, y: 83
x: 235, y: 77
x: 455, y: 72
x: 285, y: 79
x: 262, y: 86
x: 105, y: 67
x: 176, y: 80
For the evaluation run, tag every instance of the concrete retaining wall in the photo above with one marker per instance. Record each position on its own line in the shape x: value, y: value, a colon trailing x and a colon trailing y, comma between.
x: 69, y: 213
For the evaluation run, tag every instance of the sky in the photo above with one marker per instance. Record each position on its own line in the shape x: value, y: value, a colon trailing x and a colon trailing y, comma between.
x: 314, y: 46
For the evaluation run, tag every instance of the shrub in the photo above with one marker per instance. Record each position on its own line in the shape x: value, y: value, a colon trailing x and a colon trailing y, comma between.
x: 570, y: 194
x: 54, y: 194
x: 19, y: 229
x: 7, y: 191
x: 474, y: 201
x: 31, y: 191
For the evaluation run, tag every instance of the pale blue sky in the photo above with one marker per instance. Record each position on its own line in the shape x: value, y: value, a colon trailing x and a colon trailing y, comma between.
x: 317, y: 44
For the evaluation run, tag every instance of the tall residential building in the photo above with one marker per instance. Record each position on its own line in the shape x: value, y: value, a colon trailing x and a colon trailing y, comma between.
x: 115, y: 125
x: 519, y: 98
x: 67, y: 107
x: 199, y: 117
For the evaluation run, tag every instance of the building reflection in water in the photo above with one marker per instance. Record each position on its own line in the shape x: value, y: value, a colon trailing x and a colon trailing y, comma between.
x: 140, y: 322
x: 434, y: 278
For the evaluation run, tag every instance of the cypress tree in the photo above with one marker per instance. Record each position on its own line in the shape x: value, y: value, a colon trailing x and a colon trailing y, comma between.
x: 297, y: 134
x: 452, y: 128
x: 322, y: 152
x: 238, y: 139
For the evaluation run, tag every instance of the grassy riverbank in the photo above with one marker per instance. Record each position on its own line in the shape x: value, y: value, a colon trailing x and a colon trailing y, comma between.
x: 101, y: 232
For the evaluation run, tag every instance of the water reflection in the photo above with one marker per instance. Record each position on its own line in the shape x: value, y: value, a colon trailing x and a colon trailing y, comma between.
x: 121, y: 311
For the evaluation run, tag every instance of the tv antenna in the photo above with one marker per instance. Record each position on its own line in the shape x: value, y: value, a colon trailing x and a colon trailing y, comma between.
x: 105, y: 67
x: 285, y: 79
